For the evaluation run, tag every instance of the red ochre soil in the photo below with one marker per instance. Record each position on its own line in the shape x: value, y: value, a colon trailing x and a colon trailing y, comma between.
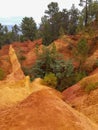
x: 43, y: 110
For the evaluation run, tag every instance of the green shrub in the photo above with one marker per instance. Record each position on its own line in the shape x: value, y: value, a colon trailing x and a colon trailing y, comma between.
x: 28, y: 71
x: 80, y: 52
x: 2, y: 74
x: 88, y: 84
x: 20, y: 55
x: 96, y: 63
x: 82, y: 47
x: 79, y: 75
x: 50, y: 65
x: 71, y: 80
x: 50, y: 61
x: 90, y: 87
x: 50, y: 80
x: 21, y: 58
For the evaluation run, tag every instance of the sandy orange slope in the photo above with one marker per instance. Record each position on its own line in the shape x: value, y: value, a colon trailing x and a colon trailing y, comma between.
x: 43, y: 110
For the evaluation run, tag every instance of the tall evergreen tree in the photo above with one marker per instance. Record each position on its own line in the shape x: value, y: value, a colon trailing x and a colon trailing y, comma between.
x: 45, y: 29
x: 28, y: 28
x: 54, y: 18
x: 52, y: 9
x: 64, y: 20
x: 15, y: 33
x: 93, y: 11
x: 53, y: 22
x: 73, y: 20
x: 5, y: 30
x: 1, y: 35
x: 86, y: 10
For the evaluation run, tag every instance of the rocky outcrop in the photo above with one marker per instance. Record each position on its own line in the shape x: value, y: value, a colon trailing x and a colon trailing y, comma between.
x: 44, y: 110
x: 17, y: 73
x: 33, y: 106
x: 84, y: 102
x: 16, y: 86
x: 25, y: 49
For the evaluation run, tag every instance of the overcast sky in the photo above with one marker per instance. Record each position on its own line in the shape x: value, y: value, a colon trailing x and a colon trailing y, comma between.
x: 9, y: 9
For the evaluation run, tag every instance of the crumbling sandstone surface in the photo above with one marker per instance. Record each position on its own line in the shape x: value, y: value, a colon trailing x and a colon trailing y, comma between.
x: 43, y: 110
x: 17, y: 72
x: 33, y: 106
x: 84, y: 102
x: 16, y: 86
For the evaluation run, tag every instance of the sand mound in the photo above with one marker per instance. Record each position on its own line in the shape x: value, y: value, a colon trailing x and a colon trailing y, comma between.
x: 43, y: 110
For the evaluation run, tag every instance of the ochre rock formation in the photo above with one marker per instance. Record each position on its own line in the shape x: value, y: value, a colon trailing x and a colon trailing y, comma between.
x: 26, y: 49
x: 33, y: 106
x: 44, y: 110
x: 17, y: 73
x: 16, y: 86
x: 84, y: 102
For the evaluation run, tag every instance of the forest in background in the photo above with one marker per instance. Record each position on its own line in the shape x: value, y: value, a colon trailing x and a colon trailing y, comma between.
x: 53, y: 24
x: 56, y: 71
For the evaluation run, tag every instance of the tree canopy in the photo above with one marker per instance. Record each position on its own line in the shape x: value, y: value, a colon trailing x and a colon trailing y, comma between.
x: 54, y: 23
x: 28, y: 28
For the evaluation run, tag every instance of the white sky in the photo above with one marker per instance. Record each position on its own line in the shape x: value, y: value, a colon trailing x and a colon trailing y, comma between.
x: 29, y: 8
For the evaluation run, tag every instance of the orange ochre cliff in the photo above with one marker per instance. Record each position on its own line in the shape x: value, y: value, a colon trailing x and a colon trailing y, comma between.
x: 26, y: 105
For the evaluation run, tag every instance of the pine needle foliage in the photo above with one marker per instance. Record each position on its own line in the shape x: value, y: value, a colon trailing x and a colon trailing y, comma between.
x: 50, y: 61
